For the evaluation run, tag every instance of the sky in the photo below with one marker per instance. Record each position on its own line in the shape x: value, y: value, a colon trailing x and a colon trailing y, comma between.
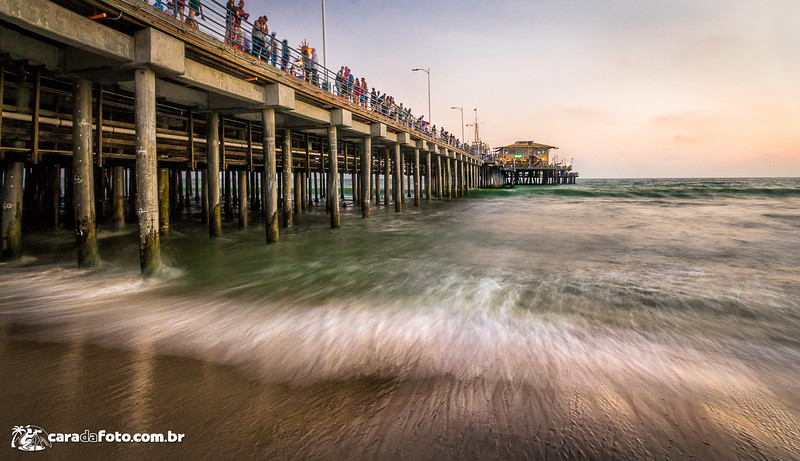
x: 624, y: 88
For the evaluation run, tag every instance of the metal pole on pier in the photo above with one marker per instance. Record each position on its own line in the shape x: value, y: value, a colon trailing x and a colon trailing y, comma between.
x: 324, y: 43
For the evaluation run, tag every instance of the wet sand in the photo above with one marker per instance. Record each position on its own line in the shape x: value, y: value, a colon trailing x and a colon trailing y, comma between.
x: 227, y: 413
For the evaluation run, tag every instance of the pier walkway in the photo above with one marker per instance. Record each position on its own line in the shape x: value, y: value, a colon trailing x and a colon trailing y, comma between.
x: 112, y: 108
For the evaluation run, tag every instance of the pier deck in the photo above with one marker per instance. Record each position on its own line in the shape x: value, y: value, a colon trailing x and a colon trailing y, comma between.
x: 137, y: 115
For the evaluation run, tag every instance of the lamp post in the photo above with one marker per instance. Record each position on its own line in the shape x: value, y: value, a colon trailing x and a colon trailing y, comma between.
x: 462, y: 122
x: 324, y: 47
x: 427, y: 71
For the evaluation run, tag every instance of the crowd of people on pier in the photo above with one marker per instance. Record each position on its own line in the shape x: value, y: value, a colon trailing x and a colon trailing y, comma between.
x: 302, y: 63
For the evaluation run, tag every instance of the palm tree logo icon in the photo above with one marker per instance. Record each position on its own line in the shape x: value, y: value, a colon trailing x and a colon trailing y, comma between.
x: 29, y: 438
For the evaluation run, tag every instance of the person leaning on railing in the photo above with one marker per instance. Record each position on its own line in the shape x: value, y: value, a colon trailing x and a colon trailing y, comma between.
x: 238, y: 16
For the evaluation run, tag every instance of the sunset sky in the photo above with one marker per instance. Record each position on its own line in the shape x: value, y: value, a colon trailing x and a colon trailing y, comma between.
x: 627, y: 88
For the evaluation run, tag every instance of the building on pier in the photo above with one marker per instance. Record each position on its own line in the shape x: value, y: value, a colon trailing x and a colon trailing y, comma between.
x: 525, y: 154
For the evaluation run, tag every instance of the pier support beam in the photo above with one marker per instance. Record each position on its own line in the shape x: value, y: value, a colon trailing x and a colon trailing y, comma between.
x: 462, y: 182
x: 242, y: 189
x: 204, y: 197
x: 286, y: 156
x: 428, y: 176
x: 270, y: 175
x: 82, y: 169
x: 398, y: 180
x: 118, y: 196
x: 366, y: 175
x: 446, y: 173
x: 377, y: 179
x: 416, y: 177
x: 439, y: 177
x: 12, y: 212
x: 163, y: 200
x: 11, y: 225
x: 212, y: 174
x: 386, y: 162
x: 333, y: 174
x: 297, y: 178
x: 146, y: 181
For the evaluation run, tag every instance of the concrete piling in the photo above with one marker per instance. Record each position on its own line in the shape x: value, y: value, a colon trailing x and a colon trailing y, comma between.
x: 11, y: 226
x: 83, y: 181
x: 146, y: 181
x: 12, y: 212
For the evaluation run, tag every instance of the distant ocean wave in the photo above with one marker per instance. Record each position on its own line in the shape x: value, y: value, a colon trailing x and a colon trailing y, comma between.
x: 669, y: 189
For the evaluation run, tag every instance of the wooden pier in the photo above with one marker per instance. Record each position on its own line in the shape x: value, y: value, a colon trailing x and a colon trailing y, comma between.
x: 542, y: 176
x: 129, y: 120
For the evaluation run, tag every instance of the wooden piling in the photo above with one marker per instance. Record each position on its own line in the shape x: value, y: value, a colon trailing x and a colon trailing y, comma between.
x: 242, y: 189
x: 334, y: 176
x: 366, y: 174
x: 212, y: 175
x: 163, y: 200
x: 286, y: 155
x: 118, y: 196
x: 386, y: 163
x: 398, y: 180
x: 416, y: 177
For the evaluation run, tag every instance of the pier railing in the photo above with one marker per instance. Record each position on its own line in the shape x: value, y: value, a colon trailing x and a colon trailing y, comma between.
x: 218, y: 27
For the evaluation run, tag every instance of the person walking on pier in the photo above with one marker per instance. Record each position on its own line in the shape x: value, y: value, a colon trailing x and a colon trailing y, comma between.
x: 339, y: 82
x: 285, y: 57
x: 195, y: 8
x: 273, y: 49
x: 315, y: 66
x: 179, y: 6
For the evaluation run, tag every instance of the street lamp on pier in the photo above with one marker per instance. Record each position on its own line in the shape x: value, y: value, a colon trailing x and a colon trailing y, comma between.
x: 427, y: 71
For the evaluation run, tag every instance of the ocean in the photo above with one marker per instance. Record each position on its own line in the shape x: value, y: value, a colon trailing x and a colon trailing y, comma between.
x: 610, y: 319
